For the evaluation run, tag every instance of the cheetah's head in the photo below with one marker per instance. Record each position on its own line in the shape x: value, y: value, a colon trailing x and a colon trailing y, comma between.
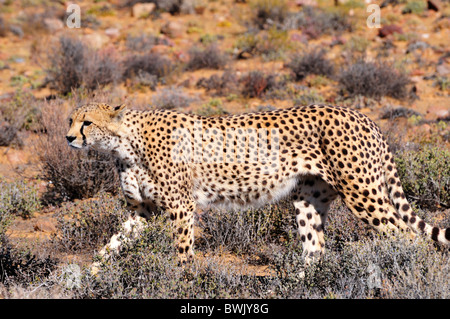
x: 93, y: 126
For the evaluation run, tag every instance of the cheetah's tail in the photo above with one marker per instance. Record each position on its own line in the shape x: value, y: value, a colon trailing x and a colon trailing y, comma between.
x: 402, y: 206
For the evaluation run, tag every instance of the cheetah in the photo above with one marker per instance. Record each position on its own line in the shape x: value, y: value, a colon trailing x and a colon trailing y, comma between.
x: 312, y: 154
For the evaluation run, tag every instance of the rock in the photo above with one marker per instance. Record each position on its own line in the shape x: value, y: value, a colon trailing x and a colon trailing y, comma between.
x: 435, y: 5
x: 440, y: 112
x: 173, y: 29
x: 443, y: 69
x: 160, y: 49
x: 112, y: 32
x: 310, y: 3
x: 53, y: 25
x: 388, y: 30
x: 142, y: 9
x: 96, y: 40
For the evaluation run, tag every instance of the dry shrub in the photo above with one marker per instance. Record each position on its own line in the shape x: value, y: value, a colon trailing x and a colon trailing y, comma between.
x: 312, y: 62
x: 256, y: 83
x: 270, y: 12
x: 374, y: 80
x: 223, y: 85
x: 88, y: 225
x: 150, y: 64
x: 72, y: 173
x: 72, y: 64
x: 315, y: 22
x: 206, y: 58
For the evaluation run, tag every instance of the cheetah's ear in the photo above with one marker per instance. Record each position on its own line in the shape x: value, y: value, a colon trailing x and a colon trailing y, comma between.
x: 116, y: 110
x: 119, y: 108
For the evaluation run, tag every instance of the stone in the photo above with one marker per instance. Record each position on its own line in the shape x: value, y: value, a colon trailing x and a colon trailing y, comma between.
x: 443, y: 69
x: 310, y: 3
x: 96, y: 40
x: 112, y: 32
x: 173, y: 29
x: 53, y: 25
x: 140, y: 10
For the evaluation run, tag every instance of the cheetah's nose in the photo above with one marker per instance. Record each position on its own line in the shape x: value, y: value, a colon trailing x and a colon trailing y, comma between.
x: 70, y: 139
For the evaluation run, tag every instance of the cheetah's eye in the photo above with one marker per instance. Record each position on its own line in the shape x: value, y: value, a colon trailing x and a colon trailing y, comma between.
x: 87, y: 123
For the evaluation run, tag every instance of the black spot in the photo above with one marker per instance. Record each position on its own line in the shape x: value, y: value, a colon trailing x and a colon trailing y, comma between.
x: 421, y: 225
x: 435, y: 233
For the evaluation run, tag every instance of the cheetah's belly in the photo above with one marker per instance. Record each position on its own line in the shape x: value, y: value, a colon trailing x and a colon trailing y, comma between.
x: 229, y: 197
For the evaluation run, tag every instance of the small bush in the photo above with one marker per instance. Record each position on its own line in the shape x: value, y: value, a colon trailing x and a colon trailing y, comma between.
x: 22, y: 266
x: 20, y: 112
x: 425, y: 176
x: 269, y: 12
x: 397, y: 112
x: 271, y: 44
x: 151, y: 63
x: 245, y: 231
x: 88, y: 224
x: 374, y: 80
x: 144, y: 43
x: 415, y: 7
x: 313, y: 62
x: 19, y: 199
x: 207, y: 58
x: 223, y: 85
x: 315, y: 22
x: 214, y: 107
x: 72, y: 65
x: 308, y: 97
x: 256, y: 83
x: 171, y: 98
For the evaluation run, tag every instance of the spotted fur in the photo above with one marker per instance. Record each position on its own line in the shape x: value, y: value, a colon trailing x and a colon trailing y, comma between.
x: 313, y: 154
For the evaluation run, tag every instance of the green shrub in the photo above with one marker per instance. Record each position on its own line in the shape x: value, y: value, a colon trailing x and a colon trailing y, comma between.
x: 18, y: 198
x: 425, y: 176
x: 269, y: 12
x: 147, y: 267
x: 415, y: 7
x: 88, y: 224
x: 214, y: 107
x: 244, y: 231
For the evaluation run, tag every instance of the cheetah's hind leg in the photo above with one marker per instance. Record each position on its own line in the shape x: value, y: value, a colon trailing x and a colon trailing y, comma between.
x: 312, y: 198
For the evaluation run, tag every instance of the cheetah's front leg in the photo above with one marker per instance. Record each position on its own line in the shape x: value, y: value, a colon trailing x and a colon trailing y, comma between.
x: 131, y: 228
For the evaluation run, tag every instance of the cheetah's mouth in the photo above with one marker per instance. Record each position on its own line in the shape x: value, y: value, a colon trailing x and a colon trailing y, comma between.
x: 77, y: 146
